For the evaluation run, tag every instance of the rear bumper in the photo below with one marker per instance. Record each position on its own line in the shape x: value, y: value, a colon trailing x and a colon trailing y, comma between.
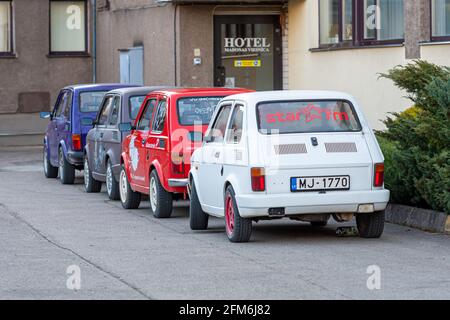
x: 75, y: 157
x: 177, y: 182
x: 257, y: 205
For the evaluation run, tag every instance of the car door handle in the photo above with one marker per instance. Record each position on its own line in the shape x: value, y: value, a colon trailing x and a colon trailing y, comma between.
x: 217, y: 154
x: 101, y: 135
x: 144, y: 141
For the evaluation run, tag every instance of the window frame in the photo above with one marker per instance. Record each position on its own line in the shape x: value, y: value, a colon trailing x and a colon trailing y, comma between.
x: 219, y: 108
x: 238, y: 106
x: 358, y: 40
x: 11, y: 52
x: 432, y: 37
x: 142, y: 114
x: 101, y: 109
x: 116, y: 103
x: 85, y: 52
x: 159, y: 105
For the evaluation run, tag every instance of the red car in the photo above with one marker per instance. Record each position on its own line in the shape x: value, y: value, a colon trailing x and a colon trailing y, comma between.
x: 156, y: 155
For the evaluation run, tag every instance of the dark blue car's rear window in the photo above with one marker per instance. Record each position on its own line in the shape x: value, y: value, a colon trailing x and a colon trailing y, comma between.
x: 90, y: 101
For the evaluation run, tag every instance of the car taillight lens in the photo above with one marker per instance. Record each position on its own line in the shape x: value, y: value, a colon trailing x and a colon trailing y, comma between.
x: 76, y: 142
x: 178, y: 167
x: 379, y: 175
x: 258, y: 179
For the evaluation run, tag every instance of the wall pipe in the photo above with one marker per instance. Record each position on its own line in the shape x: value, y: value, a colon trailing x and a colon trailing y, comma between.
x: 94, y: 41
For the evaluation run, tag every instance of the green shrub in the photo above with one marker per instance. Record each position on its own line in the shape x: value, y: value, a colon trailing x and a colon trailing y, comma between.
x: 416, y: 143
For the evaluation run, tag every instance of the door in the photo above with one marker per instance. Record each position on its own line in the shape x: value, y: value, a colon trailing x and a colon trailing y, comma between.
x: 63, y: 125
x: 247, y: 52
x: 53, y: 141
x: 158, y: 139
x: 138, y: 146
x: 98, y: 136
x: 210, y: 172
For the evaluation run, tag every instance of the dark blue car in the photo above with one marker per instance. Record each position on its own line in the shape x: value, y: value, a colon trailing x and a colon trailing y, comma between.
x: 71, y: 119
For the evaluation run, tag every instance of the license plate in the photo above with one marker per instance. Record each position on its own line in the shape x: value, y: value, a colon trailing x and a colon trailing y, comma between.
x: 329, y: 183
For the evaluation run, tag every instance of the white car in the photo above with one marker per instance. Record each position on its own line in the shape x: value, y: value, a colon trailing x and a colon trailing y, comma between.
x: 306, y: 155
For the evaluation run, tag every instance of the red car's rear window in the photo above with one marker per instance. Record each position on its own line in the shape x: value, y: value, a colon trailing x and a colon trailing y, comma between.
x: 196, y: 110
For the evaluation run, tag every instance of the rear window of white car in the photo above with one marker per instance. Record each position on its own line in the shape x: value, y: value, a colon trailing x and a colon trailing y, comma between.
x: 90, y: 101
x: 306, y: 116
x: 196, y: 110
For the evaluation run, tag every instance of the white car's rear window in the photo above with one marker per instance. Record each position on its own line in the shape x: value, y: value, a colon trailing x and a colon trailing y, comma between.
x: 306, y: 116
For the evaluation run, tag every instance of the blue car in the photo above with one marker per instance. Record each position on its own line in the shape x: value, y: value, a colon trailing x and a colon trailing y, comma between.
x: 72, y: 117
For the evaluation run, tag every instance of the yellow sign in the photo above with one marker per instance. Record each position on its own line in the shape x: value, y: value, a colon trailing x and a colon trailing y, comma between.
x: 247, y: 63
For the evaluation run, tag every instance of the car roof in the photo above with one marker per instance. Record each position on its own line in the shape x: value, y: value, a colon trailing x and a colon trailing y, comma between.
x: 98, y: 86
x: 210, y: 90
x: 137, y: 90
x: 290, y: 95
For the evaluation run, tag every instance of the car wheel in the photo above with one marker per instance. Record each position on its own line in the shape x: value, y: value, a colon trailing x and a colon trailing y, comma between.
x: 318, y: 224
x: 90, y: 184
x: 112, y: 186
x: 370, y: 225
x: 128, y: 198
x: 238, y: 229
x: 66, y: 171
x: 198, y: 219
x: 160, y: 200
x: 49, y: 170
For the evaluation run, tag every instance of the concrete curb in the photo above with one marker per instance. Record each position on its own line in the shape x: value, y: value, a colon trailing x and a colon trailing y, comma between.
x: 423, y: 219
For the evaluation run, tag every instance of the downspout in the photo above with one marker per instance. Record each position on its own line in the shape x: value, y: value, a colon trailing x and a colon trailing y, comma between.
x: 175, y: 44
x: 94, y: 41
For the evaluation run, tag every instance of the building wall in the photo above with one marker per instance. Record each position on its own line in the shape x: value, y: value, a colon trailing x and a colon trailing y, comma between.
x: 30, y: 81
x: 126, y: 24
x: 356, y: 71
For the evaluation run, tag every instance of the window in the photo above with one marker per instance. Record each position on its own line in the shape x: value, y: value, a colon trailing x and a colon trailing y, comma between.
x: 144, y: 121
x: 220, y: 124
x: 114, y: 118
x: 160, y: 117
x: 440, y: 12
x: 135, y: 106
x: 90, y: 100
x: 360, y: 22
x: 68, y: 31
x: 306, y: 117
x: 196, y: 110
x: 5, y: 27
x: 67, y: 105
x: 234, y: 134
x: 62, y: 99
x: 106, y: 108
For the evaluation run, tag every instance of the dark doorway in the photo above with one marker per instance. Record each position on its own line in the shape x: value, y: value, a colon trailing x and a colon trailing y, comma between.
x: 247, y: 52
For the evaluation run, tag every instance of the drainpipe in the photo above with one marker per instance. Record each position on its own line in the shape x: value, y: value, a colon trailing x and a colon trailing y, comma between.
x: 175, y: 43
x: 94, y: 41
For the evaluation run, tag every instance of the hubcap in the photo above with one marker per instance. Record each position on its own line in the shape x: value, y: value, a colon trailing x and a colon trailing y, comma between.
x: 45, y: 161
x: 61, y: 165
x: 153, y: 194
x: 109, y: 179
x: 86, y: 173
x: 229, y: 215
x: 123, y: 186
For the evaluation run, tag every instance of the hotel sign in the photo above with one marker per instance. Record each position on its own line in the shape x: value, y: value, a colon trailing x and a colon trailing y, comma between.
x: 246, y: 45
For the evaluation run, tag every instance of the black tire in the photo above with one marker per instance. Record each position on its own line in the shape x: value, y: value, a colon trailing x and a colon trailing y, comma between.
x: 370, y: 225
x: 66, y: 171
x: 112, y: 185
x: 318, y: 224
x: 198, y: 219
x: 129, y: 198
x: 90, y: 184
x: 242, y: 227
x: 161, y: 201
x: 50, y: 171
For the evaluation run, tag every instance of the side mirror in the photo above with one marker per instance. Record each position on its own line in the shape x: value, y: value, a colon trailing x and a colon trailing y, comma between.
x: 208, y: 139
x: 127, y: 126
x: 45, y: 115
x: 87, y: 122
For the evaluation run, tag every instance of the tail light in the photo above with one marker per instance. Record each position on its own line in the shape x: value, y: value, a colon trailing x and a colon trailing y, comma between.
x: 178, y: 167
x: 76, y: 142
x: 258, y: 179
x: 379, y: 175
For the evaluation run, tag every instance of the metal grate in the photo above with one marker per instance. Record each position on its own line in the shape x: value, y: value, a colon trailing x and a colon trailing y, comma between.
x: 341, y: 147
x: 290, y: 148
